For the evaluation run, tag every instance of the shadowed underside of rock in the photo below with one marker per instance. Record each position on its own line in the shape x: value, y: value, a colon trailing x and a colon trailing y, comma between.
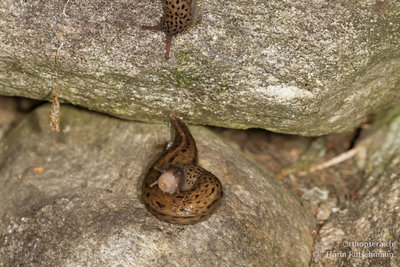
x: 85, y: 207
x: 304, y: 67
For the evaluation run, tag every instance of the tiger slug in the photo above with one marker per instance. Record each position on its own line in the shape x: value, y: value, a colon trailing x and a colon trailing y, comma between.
x: 186, y: 193
x: 177, y: 17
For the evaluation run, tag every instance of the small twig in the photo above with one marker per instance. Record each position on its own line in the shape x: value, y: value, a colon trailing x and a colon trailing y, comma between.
x: 65, y: 7
x: 336, y: 160
x: 57, y: 57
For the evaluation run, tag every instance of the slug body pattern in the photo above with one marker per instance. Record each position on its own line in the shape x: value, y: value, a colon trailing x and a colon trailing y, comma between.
x: 199, y: 193
x: 177, y: 16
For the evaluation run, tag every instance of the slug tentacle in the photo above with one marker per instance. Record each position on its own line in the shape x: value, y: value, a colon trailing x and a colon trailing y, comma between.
x: 177, y: 17
x: 186, y: 192
x: 155, y: 27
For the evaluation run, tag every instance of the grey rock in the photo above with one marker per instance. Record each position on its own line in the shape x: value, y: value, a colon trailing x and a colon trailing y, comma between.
x: 85, y: 208
x: 300, y: 67
x: 368, y: 232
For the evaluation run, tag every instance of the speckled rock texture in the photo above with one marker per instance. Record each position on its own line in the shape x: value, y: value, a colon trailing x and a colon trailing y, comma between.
x: 301, y: 67
x: 85, y: 207
x: 368, y: 232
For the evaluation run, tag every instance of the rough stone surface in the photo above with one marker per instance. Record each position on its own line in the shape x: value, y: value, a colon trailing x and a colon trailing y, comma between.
x: 301, y: 67
x: 85, y: 208
x: 368, y: 232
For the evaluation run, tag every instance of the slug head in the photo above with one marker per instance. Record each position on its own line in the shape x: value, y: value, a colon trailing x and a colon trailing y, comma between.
x: 170, y: 180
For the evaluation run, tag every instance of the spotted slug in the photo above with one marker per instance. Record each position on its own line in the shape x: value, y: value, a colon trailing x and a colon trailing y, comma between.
x: 176, y: 189
x: 177, y: 16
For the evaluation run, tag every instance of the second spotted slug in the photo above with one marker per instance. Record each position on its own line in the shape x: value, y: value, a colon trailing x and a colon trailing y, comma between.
x: 176, y: 189
x: 177, y: 16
